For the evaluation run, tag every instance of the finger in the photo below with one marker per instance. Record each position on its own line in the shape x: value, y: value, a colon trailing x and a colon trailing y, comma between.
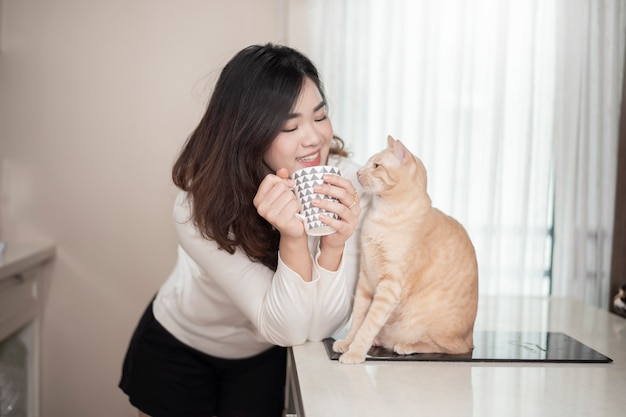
x: 344, y: 228
x: 338, y: 181
x: 354, y: 201
x: 345, y: 214
x: 343, y: 191
x: 275, y: 198
x: 271, y: 185
x: 282, y: 173
x: 274, y: 194
x: 341, y: 226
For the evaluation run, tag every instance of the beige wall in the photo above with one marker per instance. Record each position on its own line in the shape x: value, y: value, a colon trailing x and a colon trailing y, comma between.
x: 96, y: 97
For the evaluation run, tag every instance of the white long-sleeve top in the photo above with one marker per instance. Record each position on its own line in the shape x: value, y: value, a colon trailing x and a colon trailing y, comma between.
x: 230, y: 307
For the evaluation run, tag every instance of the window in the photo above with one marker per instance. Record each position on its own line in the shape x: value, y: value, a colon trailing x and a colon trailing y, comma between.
x: 513, y: 107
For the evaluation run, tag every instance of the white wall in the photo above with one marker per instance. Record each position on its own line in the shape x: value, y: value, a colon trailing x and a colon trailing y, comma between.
x: 96, y: 98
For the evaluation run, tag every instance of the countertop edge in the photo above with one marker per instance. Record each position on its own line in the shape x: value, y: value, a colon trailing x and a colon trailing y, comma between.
x: 35, y: 255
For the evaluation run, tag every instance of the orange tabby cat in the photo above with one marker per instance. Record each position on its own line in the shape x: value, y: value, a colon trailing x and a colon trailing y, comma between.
x: 418, y: 284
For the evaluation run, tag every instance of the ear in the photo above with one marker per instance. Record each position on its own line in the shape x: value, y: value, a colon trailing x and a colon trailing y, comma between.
x: 402, y: 153
x: 390, y: 141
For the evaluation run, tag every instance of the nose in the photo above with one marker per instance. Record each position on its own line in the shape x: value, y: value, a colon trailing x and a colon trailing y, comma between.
x: 312, y: 136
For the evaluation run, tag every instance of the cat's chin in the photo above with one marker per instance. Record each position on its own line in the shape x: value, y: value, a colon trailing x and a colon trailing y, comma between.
x: 368, y: 188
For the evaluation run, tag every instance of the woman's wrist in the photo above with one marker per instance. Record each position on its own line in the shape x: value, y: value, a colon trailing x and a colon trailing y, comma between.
x: 294, y: 252
x: 330, y: 257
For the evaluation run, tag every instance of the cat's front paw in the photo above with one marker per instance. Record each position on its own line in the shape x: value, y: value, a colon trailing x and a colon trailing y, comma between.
x: 405, y: 348
x: 341, y: 346
x: 351, y: 357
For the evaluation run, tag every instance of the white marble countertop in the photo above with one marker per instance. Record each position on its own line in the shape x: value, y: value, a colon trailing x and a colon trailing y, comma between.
x: 463, y: 389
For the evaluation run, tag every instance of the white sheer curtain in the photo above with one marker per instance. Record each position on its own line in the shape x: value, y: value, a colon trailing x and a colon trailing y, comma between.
x: 588, y: 95
x: 474, y: 88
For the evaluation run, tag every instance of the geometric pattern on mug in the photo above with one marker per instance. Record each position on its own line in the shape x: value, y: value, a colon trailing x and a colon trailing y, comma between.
x: 315, y: 211
x: 306, y: 179
x: 306, y: 200
x: 306, y: 188
x: 316, y: 172
x: 313, y: 223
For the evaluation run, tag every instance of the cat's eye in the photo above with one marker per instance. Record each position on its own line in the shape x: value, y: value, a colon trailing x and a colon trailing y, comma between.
x: 376, y: 165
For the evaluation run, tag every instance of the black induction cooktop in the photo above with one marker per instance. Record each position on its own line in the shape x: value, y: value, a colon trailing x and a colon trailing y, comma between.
x: 499, y: 346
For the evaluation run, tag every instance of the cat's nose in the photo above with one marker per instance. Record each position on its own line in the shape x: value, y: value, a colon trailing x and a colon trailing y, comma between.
x: 358, y: 174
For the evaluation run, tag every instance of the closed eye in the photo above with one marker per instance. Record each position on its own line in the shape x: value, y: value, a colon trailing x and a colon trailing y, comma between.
x: 319, y: 119
x: 318, y: 109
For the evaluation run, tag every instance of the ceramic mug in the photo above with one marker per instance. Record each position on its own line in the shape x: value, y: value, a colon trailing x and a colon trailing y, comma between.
x: 306, y: 179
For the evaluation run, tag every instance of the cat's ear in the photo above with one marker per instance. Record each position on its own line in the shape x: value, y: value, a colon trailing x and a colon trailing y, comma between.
x: 402, y: 153
x: 391, y: 142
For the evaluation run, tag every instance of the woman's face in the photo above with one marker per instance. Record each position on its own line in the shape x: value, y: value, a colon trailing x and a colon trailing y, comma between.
x: 304, y: 139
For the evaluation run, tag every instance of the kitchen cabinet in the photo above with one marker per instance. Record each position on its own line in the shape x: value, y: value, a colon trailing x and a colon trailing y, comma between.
x: 22, y: 269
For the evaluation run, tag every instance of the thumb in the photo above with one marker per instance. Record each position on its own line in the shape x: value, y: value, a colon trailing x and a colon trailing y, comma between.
x: 282, y: 173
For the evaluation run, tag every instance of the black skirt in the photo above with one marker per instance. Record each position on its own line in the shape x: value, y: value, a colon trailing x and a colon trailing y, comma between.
x: 164, y: 377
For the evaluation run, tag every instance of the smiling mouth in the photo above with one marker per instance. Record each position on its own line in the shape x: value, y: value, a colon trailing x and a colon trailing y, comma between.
x: 308, y: 159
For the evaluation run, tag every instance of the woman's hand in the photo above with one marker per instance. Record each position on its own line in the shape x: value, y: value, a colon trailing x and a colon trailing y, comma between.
x: 276, y: 202
x: 348, y: 209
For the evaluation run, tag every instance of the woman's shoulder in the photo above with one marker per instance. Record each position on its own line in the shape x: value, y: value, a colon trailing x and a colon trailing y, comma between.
x: 182, y: 207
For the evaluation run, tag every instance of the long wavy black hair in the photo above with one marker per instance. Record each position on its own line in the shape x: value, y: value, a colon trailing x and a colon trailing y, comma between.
x: 221, y: 164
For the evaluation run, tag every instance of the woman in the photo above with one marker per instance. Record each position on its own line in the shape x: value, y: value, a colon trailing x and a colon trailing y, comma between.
x: 248, y: 281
